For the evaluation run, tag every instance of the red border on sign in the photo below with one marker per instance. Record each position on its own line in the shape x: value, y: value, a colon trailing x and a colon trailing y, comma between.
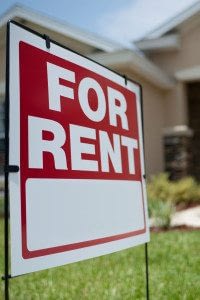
x: 26, y: 253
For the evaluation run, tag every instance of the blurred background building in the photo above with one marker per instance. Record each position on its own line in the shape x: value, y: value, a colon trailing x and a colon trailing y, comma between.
x: 167, y: 65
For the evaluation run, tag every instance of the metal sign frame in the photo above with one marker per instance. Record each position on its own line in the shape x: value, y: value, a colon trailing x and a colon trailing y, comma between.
x: 15, y: 168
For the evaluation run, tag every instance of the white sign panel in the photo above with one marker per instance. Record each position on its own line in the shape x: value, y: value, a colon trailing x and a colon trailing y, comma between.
x: 76, y: 135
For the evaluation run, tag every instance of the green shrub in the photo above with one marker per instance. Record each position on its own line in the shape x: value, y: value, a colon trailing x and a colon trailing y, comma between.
x: 158, y: 187
x: 185, y: 190
x: 164, y: 195
x: 160, y: 212
x: 1, y: 184
x: 1, y: 206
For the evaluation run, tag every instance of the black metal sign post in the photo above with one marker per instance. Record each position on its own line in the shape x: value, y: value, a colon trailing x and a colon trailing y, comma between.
x: 147, y: 270
x: 6, y: 239
x: 7, y: 169
x: 6, y: 198
x: 146, y: 244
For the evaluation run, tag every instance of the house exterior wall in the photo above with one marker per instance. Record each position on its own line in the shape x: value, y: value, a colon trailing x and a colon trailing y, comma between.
x: 154, y: 115
x: 179, y: 102
x: 176, y: 107
x: 2, y: 64
x: 185, y: 57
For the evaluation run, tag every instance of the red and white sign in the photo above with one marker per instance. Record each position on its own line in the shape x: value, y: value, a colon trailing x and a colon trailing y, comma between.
x: 76, y: 134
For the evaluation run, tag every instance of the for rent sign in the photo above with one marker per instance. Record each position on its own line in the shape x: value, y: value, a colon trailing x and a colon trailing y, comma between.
x: 76, y: 134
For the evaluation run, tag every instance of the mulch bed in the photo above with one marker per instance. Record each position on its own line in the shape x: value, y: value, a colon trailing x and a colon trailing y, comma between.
x: 174, y: 228
x: 183, y: 206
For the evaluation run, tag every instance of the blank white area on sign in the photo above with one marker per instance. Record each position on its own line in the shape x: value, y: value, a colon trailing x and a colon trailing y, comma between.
x: 66, y: 211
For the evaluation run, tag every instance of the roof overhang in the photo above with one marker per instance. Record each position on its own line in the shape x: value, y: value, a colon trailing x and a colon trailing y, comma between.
x: 170, y: 42
x: 113, y: 56
x: 189, y: 74
x: 175, y: 22
x: 126, y: 59
x: 136, y: 63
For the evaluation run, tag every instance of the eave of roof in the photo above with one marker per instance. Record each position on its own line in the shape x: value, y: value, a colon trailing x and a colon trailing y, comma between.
x: 115, y: 55
x: 174, y: 22
x: 189, y: 74
x: 169, y: 42
x: 133, y: 61
x: 139, y: 64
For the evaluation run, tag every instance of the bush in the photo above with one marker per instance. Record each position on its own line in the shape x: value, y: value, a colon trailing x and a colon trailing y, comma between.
x: 165, y: 195
x: 1, y: 207
x: 158, y: 187
x: 185, y: 190
x: 160, y: 212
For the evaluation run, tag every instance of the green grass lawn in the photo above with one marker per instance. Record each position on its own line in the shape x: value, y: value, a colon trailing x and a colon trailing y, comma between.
x: 174, y: 273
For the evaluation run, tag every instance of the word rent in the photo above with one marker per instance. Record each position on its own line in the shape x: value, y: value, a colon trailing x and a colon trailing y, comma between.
x: 89, y: 149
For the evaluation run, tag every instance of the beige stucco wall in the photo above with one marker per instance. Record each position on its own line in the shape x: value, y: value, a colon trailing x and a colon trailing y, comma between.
x: 2, y: 64
x: 2, y: 73
x: 153, y: 105
x: 188, y: 56
x: 175, y: 106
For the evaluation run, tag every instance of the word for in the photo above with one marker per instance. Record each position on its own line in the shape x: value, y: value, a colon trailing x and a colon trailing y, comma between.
x: 80, y: 139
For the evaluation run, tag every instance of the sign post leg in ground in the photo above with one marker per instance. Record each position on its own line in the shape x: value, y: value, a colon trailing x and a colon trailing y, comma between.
x: 6, y: 196
x: 6, y: 241
x: 147, y: 270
